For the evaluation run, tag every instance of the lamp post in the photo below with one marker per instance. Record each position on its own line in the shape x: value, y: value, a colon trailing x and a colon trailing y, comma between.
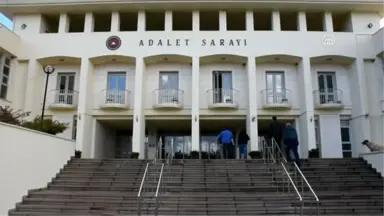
x: 48, y: 70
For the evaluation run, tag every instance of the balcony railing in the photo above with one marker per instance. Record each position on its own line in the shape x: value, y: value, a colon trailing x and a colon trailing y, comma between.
x: 63, y: 99
x: 276, y: 98
x: 328, y: 98
x: 222, y: 98
x: 168, y: 98
x: 113, y: 98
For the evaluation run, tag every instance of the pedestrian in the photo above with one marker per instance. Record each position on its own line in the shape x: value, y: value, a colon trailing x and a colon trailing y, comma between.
x: 226, y: 139
x: 291, y: 142
x: 275, y: 131
x: 243, y: 141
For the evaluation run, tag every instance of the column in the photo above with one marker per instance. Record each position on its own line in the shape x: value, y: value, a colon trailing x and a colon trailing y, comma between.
x: 89, y: 22
x: 252, y: 129
x: 359, y: 121
x: 328, y: 22
x: 222, y: 21
x: 138, y: 136
x: 306, y: 118
x: 141, y: 21
x: 195, y: 104
x: 63, y: 23
x: 35, y: 78
x: 84, y: 108
x: 195, y: 21
x: 302, y: 21
x: 115, y: 23
x: 249, y: 21
x: 168, y: 21
x: 276, y: 26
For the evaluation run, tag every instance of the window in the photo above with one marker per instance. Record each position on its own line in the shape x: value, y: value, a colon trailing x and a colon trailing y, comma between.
x: 74, y: 127
x: 275, y: 92
x: 65, y: 88
x: 5, y: 66
x: 222, y: 87
x: 327, y: 87
x: 116, y: 93
x: 345, y: 138
x: 317, y: 134
x: 169, y: 87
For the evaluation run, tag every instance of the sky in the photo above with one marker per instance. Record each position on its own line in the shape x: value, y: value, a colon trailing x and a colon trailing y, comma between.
x: 5, y: 21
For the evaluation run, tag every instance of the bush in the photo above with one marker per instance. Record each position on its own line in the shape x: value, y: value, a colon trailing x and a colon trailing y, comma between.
x: 49, y: 126
x: 255, y: 155
x: 195, y: 155
x: 314, y: 153
x: 10, y: 116
x: 135, y: 155
x: 77, y: 154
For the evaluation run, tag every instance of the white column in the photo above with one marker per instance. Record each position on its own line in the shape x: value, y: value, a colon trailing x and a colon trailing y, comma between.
x: 115, y: 23
x: 89, y: 22
x: 63, y: 23
x: 306, y: 118
x: 328, y: 22
x: 222, y: 21
x: 84, y: 107
x: 249, y: 20
x: 141, y: 21
x: 302, y: 22
x: 138, y: 136
x: 252, y: 128
x: 168, y: 21
x: 195, y: 21
x: 195, y: 104
x: 35, y: 74
x: 276, y: 26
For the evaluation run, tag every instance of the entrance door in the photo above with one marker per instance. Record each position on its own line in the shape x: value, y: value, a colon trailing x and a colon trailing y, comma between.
x: 222, y: 87
x: 275, y: 87
x: 65, y: 87
x: 209, y: 147
x: 327, y: 87
x: 169, y: 85
x: 116, y: 88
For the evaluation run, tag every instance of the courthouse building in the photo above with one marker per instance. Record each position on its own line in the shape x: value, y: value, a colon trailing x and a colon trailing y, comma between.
x: 131, y: 75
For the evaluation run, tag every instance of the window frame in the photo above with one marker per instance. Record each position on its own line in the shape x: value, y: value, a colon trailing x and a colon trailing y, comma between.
x: 346, y: 119
x: 3, y: 58
x: 117, y: 73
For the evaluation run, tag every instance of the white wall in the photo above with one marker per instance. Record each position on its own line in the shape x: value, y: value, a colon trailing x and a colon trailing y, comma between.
x: 376, y: 159
x: 330, y: 136
x: 239, y: 82
x: 28, y: 159
x: 104, y: 141
x: 65, y: 118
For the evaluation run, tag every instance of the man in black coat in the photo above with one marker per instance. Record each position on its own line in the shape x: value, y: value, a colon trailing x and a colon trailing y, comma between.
x: 275, y: 131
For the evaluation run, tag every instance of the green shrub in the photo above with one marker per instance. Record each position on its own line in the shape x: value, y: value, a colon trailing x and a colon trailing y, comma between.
x: 10, y: 116
x: 49, y: 126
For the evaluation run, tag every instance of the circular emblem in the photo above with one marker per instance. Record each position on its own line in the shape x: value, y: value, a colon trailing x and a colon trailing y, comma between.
x: 113, y: 43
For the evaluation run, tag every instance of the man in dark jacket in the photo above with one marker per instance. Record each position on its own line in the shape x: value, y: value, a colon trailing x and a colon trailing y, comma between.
x: 275, y: 131
x: 243, y: 141
x: 291, y: 142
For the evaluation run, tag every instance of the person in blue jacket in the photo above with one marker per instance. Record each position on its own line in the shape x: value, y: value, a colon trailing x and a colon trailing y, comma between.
x: 225, y: 138
x: 291, y: 142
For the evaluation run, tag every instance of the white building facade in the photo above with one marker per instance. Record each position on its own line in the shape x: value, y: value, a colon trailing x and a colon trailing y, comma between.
x: 131, y: 73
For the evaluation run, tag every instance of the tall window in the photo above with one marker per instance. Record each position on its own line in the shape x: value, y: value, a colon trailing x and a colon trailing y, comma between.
x: 222, y: 87
x: 74, y: 127
x: 116, y: 88
x: 345, y: 138
x: 5, y: 64
x: 327, y: 87
x: 317, y: 134
x: 169, y: 87
x: 65, y: 88
x: 275, y: 92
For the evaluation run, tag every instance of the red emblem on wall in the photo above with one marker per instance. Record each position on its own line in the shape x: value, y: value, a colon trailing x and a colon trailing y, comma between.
x: 113, y: 43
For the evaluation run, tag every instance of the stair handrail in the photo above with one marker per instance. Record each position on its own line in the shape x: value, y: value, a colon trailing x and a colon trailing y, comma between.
x: 297, y: 169
x: 160, y: 187
x: 140, y: 189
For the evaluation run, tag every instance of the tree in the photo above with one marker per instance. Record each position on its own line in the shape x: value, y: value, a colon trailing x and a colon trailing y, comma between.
x: 10, y: 116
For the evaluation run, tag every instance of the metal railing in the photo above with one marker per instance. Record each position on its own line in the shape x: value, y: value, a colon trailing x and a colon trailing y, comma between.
x: 163, y: 97
x: 299, y: 178
x: 114, y: 97
x: 328, y: 96
x: 280, y: 96
x: 160, y: 188
x: 222, y: 96
x: 63, y: 97
x: 143, y: 182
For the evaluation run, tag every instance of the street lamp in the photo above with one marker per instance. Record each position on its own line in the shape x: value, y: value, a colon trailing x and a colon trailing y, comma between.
x: 48, y: 70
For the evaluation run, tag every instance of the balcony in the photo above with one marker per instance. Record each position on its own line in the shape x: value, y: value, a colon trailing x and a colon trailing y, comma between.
x: 62, y: 99
x: 222, y: 98
x: 114, y: 99
x: 168, y: 99
x: 276, y: 99
x: 328, y: 99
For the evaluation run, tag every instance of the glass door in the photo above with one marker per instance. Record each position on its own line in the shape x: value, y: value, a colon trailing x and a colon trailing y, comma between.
x: 116, y: 88
x: 327, y: 87
x: 168, y: 87
x: 222, y: 87
x: 275, y: 92
x: 65, y: 88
